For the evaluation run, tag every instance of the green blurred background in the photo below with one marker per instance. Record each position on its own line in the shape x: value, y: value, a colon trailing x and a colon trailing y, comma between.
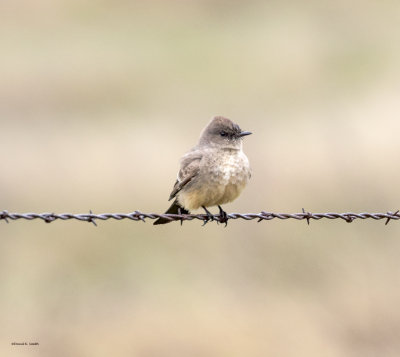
x: 98, y: 101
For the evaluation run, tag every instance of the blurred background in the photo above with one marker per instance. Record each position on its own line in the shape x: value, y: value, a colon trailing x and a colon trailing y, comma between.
x: 99, y: 100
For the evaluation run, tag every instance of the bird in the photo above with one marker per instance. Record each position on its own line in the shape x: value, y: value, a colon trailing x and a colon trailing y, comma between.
x: 212, y: 173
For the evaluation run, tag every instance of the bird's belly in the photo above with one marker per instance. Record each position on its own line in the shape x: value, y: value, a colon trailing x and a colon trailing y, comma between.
x: 220, y: 184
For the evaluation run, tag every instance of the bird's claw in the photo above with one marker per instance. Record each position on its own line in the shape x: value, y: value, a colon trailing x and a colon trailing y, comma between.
x: 180, y: 212
x: 209, y: 216
x: 223, y: 216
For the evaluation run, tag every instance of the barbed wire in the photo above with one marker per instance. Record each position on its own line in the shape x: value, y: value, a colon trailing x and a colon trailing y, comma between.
x: 140, y: 216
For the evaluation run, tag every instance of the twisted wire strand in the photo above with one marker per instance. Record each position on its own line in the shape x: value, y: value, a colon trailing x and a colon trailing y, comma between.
x: 140, y: 216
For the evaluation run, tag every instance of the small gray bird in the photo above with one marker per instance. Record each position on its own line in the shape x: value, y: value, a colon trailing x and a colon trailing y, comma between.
x: 214, y: 172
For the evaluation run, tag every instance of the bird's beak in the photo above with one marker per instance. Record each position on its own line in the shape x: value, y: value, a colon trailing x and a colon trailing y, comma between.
x: 244, y: 133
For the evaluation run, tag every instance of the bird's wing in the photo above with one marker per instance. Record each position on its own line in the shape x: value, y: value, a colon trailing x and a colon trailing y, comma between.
x: 190, y: 167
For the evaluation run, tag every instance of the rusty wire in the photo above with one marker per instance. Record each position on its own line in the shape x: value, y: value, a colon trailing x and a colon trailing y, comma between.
x: 140, y: 216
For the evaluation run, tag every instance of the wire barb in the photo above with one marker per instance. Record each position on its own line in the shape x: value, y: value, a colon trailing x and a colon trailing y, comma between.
x: 3, y: 215
x: 389, y: 218
x: 140, y: 216
x: 307, y: 216
x: 91, y: 218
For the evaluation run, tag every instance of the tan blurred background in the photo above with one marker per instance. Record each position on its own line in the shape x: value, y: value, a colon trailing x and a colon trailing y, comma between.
x: 98, y: 101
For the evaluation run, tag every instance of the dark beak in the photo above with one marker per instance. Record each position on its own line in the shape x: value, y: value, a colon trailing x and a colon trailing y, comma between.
x: 244, y: 133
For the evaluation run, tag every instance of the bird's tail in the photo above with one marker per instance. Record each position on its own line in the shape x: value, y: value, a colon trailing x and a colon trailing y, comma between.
x: 175, y: 208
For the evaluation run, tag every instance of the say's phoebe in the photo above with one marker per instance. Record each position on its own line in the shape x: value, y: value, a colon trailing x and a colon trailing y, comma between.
x: 214, y: 172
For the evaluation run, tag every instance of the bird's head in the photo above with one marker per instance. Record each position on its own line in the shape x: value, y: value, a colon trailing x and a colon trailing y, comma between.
x: 222, y: 132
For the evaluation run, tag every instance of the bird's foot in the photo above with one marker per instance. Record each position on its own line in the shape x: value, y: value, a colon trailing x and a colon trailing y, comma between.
x: 181, y: 211
x: 223, y: 216
x: 209, y: 216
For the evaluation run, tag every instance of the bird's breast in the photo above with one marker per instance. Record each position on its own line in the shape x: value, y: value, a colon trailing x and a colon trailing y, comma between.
x: 229, y: 168
x: 222, y: 177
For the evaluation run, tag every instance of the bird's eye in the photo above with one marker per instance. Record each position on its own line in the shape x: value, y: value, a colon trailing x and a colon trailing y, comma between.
x: 223, y: 133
